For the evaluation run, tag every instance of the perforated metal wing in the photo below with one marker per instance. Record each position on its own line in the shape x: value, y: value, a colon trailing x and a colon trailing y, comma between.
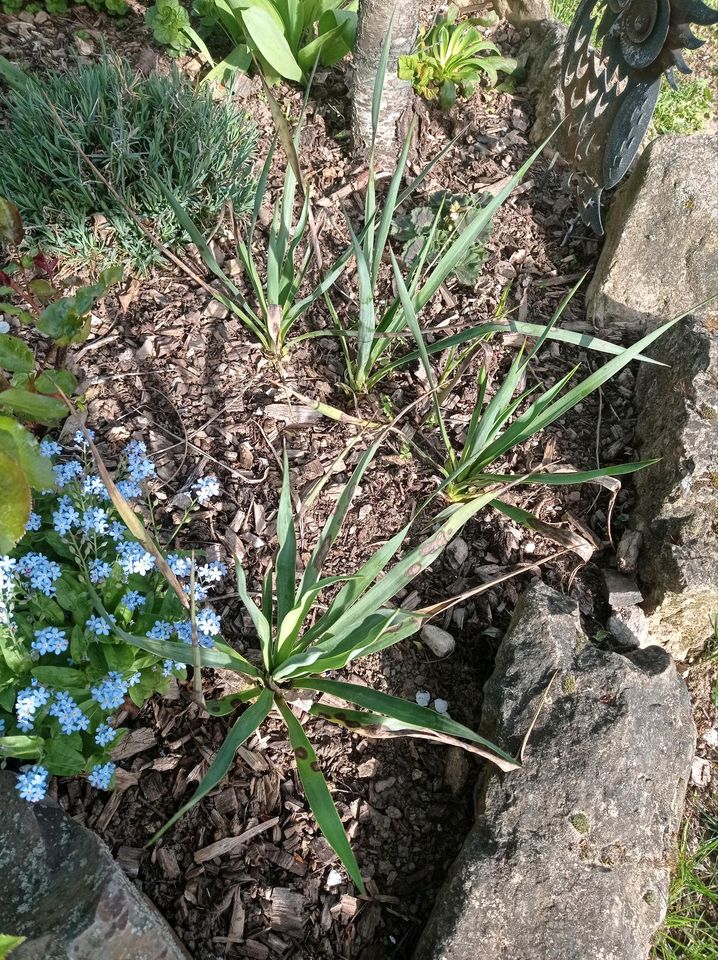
x: 615, y: 56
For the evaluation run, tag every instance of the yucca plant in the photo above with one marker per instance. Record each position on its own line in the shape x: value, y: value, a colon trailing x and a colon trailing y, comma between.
x: 302, y: 640
x: 275, y: 285
x: 369, y: 340
x: 371, y: 337
x: 513, y: 415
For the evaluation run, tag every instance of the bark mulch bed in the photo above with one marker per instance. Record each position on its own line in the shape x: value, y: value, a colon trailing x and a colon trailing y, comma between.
x: 246, y: 873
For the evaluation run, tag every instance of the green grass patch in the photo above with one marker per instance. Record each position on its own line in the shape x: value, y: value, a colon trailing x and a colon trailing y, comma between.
x: 8, y: 944
x: 564, y: 10
x: 690, y: 930
x: 685, y: 110
x: 137, y: 131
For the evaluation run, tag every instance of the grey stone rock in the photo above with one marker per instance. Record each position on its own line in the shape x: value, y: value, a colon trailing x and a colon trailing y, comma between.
x: 60, y: 888
x: 622, y: 590
x: 440, y: 642
x: 569, y: 857
x: 541, y: 56
x: 677, y: 499
x: 661, y: 251
x: 629, y: 627
x: 520, y: 13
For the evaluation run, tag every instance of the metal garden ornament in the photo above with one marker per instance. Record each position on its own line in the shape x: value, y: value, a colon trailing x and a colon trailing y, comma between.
x: 610, y: 96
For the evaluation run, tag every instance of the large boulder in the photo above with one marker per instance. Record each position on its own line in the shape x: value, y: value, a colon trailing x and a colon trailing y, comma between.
x: 677, y: 498
x: 569, y: 858
x: 661, y: 251
x: 60, y: 888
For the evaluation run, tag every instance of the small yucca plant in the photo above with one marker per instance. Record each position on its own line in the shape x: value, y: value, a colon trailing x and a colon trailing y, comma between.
x: 296, y: 655
x: 513, y: 415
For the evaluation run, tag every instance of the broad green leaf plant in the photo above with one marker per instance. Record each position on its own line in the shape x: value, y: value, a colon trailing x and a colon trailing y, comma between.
x: 453, y: 57
x: 285, y: 37
x: 302, y: 641
x: 29, y: 393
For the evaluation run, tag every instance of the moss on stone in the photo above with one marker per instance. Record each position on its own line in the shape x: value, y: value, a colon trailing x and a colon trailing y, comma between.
x: 580, y: 823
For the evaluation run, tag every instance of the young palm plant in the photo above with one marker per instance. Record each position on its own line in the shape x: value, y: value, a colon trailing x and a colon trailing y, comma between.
x: 301, y: 642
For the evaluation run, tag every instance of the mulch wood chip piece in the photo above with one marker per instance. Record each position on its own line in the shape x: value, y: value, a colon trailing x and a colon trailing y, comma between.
x: 231, y: 846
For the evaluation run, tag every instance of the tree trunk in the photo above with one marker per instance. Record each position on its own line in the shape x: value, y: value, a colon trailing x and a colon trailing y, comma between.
x: 375, y: 18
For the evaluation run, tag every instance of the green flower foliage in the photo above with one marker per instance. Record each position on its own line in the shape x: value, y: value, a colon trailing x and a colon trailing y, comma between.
x: 29, y: 294
x: 80, y: 600
x: 453, y: 58
x: 439, y: 221
x: 169, y: 21
x: 116, y: 8
x: 140, y: 133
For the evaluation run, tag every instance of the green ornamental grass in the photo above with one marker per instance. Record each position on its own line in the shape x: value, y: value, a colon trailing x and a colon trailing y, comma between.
x: 140, y: 133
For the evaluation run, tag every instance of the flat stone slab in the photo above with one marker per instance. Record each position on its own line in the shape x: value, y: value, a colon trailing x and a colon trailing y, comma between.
x: 569, y: 858
x: 61, y: 888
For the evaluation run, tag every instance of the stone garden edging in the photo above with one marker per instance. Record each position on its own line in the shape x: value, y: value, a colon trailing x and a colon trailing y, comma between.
x: 570, y: 856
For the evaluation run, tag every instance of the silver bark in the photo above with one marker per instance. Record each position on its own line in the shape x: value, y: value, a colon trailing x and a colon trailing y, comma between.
x: 375, y: 18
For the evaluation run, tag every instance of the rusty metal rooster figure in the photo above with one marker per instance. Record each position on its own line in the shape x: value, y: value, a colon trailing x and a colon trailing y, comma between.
x: 610, y: 96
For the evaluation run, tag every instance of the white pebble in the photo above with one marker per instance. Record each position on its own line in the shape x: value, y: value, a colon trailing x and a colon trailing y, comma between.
x: 334, y: 878
x: 423, y: 698
x: 439, y: 641
x: 441, y: 706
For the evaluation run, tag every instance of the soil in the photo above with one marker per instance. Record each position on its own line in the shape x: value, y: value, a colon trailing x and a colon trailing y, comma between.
x: 166, y: 363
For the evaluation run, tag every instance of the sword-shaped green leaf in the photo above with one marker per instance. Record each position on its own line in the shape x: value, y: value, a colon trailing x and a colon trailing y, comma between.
x: 407, y: 712
x: 243, y: 728
x: 318, y: 796
x: 286, y: 566
x: 260, y: 621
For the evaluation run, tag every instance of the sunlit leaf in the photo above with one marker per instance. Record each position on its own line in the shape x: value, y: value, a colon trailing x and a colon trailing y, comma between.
x: 243, y: 728
x: 15, y: 355
x: 18, y: 443
x: 11, y: 230
x: 318, y: 795
x: 15, y: 502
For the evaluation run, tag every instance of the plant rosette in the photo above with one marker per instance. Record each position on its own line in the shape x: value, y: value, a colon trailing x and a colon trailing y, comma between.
x: 78, y: 596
